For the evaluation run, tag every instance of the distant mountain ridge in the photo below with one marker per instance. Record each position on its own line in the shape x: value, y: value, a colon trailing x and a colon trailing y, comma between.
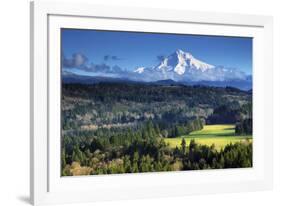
x: 183, y: 66
x: 242, y: 85
x: 180, y: 67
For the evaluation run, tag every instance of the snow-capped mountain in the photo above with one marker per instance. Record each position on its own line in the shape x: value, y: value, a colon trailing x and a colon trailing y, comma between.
x: 139, y: 70
x: 180, y: 66
x: 183, y: 66
x: 179, y: 61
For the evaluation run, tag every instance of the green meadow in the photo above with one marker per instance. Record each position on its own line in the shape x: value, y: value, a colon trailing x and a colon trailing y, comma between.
x: 219, y: 135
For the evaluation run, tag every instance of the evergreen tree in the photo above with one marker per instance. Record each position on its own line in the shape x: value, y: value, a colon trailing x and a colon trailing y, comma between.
x: 135, y: 167
x: 183, y: 146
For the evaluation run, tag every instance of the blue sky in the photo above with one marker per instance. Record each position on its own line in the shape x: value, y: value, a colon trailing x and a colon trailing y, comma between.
x: 129, y: 50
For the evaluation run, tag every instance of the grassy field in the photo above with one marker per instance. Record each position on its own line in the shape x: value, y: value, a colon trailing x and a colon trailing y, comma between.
x: 220, y: 135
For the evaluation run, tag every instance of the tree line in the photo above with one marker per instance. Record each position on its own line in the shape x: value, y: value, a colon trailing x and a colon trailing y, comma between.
x: 151, y: 156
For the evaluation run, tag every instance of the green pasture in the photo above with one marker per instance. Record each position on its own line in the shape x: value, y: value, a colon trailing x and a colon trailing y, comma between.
x: 219, y: 135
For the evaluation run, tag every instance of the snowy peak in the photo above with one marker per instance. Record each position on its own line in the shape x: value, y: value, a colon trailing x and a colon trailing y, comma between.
x: 179, y: 67
x: 180, y: 61
x: 198, y: 64
x: 139, y: 70
x: 182, y: 66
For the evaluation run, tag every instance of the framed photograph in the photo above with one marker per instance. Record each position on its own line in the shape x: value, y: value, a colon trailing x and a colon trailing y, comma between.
x: 137, y: 103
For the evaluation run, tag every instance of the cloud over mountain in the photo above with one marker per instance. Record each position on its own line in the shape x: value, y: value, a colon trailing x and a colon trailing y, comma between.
x: 77, y: 60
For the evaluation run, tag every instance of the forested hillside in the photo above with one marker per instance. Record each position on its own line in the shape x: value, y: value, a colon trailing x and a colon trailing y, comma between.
x: 120, y: 127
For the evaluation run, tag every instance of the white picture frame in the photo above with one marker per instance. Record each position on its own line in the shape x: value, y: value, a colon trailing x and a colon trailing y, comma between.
x: 46, y: 184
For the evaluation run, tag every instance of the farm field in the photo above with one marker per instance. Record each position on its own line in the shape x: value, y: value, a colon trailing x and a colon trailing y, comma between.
x: 219, y: 135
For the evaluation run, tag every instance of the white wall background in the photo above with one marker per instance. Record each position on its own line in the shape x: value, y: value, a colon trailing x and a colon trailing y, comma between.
x: 14, y: 100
